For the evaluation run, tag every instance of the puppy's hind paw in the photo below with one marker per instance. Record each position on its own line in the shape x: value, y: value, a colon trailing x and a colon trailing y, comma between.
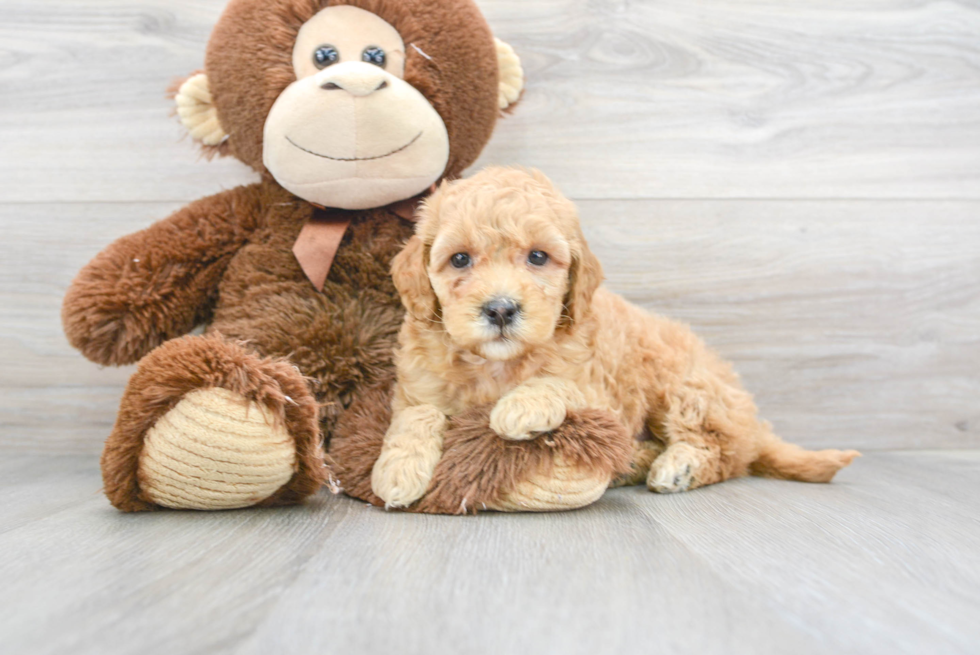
x: 674, y: 470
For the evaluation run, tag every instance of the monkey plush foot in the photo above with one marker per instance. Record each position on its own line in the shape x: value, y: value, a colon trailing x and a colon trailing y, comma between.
x: 567, y: 468
x: 564, y: 485
x: 215, y: 450
x: 204, y: 424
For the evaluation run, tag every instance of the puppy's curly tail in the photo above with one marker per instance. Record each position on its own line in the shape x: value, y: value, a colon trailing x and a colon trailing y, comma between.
x: 786, y: 461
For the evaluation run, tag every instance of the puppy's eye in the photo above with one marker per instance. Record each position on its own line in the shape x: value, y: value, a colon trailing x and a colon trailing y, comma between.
x: 374, y: 55
x: 325, y: 55
x: 460, y: 260
x: 537, y: 258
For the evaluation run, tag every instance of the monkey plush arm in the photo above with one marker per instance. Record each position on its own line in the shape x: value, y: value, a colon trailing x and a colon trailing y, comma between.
x: 158, y: 283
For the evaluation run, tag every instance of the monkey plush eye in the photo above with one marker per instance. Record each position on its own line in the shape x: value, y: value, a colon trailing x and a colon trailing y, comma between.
x: 374, y: 55
x: 460, y: 260
x: 537, y: 258
x: 325, y: 55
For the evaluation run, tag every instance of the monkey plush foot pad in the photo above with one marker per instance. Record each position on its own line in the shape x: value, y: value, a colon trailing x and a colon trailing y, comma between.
x: 215, y: 450
x: 565, y: 486
x: 206, y: 424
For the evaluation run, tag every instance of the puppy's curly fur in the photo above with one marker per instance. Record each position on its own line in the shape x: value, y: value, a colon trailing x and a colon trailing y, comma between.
x: 505, y: 306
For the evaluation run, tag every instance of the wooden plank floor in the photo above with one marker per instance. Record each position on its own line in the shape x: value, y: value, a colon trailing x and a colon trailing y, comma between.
x: 885, y: 560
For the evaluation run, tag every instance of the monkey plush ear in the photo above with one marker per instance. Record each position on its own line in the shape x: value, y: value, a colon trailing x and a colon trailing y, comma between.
x: 197, y: 112
x: 511, y: 75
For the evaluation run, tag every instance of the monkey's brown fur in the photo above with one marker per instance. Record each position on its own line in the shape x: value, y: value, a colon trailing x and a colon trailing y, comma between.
x: 226, y: 261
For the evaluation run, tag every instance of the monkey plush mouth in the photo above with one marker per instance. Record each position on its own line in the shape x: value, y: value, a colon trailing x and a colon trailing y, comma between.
x: 317, y: 154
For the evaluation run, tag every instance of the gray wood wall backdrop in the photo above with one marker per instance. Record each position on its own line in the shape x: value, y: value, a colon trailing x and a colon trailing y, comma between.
x: 799, y: 181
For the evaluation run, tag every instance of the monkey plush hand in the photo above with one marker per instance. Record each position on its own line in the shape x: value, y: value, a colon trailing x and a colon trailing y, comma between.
x: 350, y: 111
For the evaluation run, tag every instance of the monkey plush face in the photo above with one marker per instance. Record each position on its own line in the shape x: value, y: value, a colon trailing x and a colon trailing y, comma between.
x: 350, y: 132
x: 351, y: 104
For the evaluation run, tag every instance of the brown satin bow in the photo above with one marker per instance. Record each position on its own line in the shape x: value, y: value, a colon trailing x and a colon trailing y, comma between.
x: 318, y: 241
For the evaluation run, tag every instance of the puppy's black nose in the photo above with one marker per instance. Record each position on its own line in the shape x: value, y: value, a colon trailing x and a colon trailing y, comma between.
x: 501, y: 311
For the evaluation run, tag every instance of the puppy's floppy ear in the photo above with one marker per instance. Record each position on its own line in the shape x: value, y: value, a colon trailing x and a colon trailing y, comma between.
x: 584, y: 277
x: 408, y: 271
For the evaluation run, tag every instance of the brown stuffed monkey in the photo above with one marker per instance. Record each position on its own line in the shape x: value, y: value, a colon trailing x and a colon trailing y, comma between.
x: 350, y: 111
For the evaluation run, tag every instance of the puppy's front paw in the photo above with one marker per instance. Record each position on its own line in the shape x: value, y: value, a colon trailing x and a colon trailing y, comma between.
x: 674, y: 470
x: 523, y: 413
x: 400, y: 480
x: 412, y: 449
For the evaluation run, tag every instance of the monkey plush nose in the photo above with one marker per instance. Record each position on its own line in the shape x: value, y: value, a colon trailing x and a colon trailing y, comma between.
x: 501, y: 311
x: 356, y: 78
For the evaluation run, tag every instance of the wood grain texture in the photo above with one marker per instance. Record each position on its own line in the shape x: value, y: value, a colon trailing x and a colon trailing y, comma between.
x: 759, y: 98
x: 884, y: 560
x: 852, y: 322
x: 850, y: 335
x: 625, y: 98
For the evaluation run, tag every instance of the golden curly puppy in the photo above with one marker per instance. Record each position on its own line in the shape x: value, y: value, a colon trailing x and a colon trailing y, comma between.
x: 505, y: 306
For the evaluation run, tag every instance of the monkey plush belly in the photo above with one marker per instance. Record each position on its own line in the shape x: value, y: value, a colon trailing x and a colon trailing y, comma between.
x: 341, y: 337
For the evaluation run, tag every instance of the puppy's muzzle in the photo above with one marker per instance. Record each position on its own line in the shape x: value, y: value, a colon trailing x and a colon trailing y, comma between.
x: 501, y: 312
